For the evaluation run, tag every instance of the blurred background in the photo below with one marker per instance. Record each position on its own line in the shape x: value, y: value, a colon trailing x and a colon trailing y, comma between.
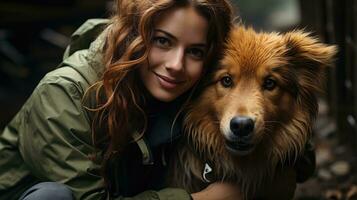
x: 34, y: 34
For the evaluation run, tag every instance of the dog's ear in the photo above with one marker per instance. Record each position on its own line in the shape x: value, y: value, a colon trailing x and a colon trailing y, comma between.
x: 309, y: 58
x: 305, y: 49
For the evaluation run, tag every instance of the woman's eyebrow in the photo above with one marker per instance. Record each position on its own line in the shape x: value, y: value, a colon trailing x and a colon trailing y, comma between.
x: 166, y: 33
x: 203, y: 45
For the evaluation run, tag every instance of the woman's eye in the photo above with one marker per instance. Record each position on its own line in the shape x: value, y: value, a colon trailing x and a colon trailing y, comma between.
x: 162, y: 42
x: 196, y: 53
x: 226, y: 81
x: 269, y: 84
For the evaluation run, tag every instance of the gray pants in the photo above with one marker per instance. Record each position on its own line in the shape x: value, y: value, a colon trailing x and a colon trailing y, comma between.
x: 47, y: 190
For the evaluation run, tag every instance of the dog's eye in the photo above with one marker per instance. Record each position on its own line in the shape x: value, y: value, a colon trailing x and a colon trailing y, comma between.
x: 227, y: 81
x: 269, y: 84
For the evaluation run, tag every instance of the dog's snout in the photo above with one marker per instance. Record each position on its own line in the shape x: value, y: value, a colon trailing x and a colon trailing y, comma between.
x: 242, y: 126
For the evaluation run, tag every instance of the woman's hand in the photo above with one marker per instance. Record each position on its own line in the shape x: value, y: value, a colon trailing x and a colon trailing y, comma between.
x: 218, y: 191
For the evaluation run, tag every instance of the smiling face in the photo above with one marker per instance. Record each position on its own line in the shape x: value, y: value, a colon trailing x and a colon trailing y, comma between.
x: 177, y: 54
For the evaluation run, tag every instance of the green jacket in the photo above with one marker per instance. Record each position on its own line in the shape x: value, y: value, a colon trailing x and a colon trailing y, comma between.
x: 50, y: 139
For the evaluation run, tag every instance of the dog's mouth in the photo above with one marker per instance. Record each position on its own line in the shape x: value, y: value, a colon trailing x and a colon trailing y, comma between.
x: 239, y: 148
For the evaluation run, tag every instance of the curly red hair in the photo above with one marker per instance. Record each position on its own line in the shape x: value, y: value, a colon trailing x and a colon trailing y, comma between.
x: 119, y: 95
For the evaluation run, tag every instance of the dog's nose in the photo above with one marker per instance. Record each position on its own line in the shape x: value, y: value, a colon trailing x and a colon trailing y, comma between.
x: 242, y: 126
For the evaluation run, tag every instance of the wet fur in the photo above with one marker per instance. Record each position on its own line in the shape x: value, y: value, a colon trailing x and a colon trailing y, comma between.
x: 284, y: 116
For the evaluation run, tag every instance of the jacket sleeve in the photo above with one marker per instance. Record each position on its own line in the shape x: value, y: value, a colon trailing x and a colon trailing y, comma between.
x: 55, y: 142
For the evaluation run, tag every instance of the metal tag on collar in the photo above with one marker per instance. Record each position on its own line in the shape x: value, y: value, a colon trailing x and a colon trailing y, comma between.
x: 206, y: 171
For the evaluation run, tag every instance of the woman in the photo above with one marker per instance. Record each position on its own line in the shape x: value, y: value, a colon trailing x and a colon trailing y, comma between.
x: 137, y: 75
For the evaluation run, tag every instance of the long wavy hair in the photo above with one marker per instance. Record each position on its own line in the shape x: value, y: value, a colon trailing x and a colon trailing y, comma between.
x: 120, y: 95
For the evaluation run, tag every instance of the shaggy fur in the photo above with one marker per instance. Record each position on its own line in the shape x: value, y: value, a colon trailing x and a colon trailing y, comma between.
x: 293, y: 65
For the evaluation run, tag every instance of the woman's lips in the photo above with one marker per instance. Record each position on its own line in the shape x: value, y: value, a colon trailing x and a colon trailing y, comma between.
x: 167, y: 82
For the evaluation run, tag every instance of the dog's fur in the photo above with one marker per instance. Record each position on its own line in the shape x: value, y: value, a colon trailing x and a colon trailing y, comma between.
x: 283, y: 116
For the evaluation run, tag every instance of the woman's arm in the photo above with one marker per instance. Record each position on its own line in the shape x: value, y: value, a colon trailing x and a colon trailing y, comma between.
x: 54, y: 140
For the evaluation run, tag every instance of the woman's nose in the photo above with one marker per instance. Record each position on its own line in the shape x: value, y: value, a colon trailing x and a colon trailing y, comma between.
x: 175, y: 62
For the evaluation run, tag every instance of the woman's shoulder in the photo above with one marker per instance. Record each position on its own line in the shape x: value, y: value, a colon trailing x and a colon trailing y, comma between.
x: 55, y: 108
x: 67, y: 79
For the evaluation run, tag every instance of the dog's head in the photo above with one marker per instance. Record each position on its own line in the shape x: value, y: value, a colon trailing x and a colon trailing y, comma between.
x: 263, y: 93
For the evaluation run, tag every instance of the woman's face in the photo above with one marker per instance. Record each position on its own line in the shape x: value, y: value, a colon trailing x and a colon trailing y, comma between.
x: 177, y: 54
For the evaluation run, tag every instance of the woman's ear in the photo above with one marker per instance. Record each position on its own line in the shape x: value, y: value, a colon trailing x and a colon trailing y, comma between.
x: 305, y: 49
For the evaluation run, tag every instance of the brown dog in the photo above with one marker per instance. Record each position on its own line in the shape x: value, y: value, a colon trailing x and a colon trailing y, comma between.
x: 254, y: 113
